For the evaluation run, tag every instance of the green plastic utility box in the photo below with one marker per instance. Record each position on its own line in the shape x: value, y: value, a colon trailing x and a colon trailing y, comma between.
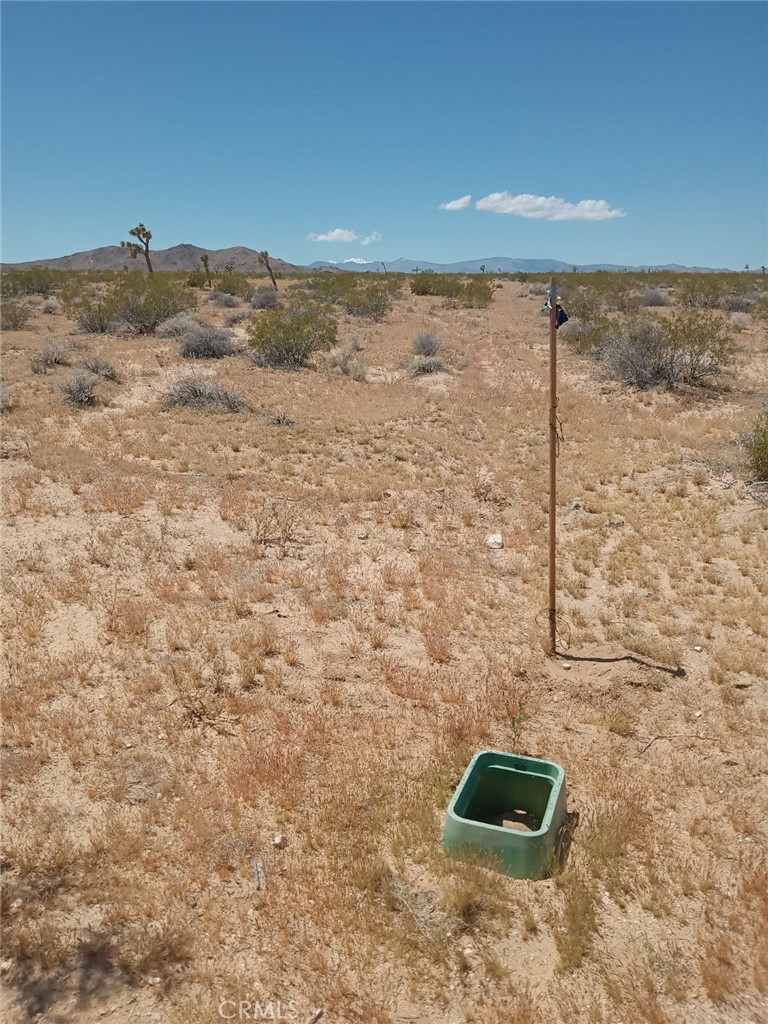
x: 509, y: 806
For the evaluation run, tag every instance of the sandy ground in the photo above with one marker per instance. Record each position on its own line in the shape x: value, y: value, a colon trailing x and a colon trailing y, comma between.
x: 219, y: 631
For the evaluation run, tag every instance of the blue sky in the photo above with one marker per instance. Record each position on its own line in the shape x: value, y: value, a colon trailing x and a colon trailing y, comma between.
x: 273, y: 125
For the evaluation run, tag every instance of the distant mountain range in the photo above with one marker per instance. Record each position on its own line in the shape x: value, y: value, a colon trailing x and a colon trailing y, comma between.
x: 491, y: 265
x: 243, y: 260
x: 179, y: 257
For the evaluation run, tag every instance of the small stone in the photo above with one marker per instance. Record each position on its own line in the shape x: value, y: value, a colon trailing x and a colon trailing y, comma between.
x: 616, y: 521
x: 362, y: 535
x: 154, y: 981
x: 280, y: 842
x: 494, y: 540
x: 567, y: 667
x: 191, y: 899
x: 698, y: 649
x: 342, y: 521
x: 697, y: 714
x: 574, y: 506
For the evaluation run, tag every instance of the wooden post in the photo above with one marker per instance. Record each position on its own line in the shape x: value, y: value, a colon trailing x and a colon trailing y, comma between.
x: 552, y: 464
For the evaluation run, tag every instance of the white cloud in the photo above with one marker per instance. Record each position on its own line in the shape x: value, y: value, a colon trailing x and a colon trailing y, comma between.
x: 337, y: 235
x: 457, y: 204
x: 547, y: 207
x: 375, y: 236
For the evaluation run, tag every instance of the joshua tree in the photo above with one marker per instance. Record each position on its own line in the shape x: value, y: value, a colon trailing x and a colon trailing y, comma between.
x: 746, y: 267
x: 482, y: 268
x: 762, y: 271
x: 204, y: 259
x: 263, y: 259
x: 143, y: 234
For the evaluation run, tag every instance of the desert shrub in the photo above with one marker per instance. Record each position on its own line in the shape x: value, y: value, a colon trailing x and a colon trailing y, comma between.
x: 346, y: 361
x: 428, y: 283
x: 143, y: 303
x: 14, y: 316
x: 738, y: 303
x: 653, y: 297
x: 424, y: 365
x: 699, y: 291
x: 237, y: 316
x: 50, y: 355
x: 203, y: 394
x: 476, y: 293
x: 282, y: 419
x: 288, y: 335
x: 370, y: 301
x: 583, y: 303
x: 34, y: 281
x: 7, y: 399
x: 104, y: 369
x: 265, y: 298
x: 80, y: 388
x: 176, y: 326
x: 739, y: 321
x: 51, y: 306
x: 234, y: 285
x: 196, y: 278
x: 206, y: 343
x: 644, y: 353
x: 95, y: 316
x: 586, y: 335
x: 425, y: 344
x: 756, y: 444
x: 222, y: 299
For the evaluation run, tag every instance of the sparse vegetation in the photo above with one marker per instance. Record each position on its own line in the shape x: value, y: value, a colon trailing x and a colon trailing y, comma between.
x: 80, y: 388
x: 686, y: 349
x: 203, y: 394
x: 51, y: 355
x: 286, y: 336
x: 756, y: 444
x: 265, y: 298
x: 206, y: 343
x: 426, y: 344
x: 14, y: 316
x: 424, y: 365
x: 104, y: 369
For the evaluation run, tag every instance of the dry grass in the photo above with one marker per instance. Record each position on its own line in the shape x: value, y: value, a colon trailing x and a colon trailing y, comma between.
x: 219, y: 630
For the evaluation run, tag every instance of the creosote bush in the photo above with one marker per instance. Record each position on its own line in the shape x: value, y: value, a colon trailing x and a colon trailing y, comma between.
x: 689, y: 348
x: 204, y: 394
x: 206, y: 343
x: 288, y: 335
x: 756, y: 444
x: 14, y: 316
x: 80, y: 388
x: 137, y: 303
x: 428, y: 283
